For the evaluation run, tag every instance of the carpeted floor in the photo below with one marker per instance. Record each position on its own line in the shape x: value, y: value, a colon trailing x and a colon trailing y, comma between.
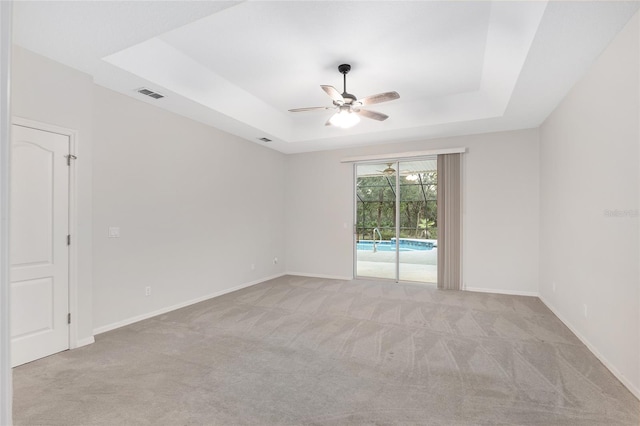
x: 309, y: 351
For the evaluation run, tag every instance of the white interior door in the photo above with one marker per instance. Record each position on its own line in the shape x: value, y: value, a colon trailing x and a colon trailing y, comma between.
x: 39, y: 247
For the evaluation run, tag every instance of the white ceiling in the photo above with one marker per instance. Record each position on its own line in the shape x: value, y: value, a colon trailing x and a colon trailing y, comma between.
x: 460, y: 67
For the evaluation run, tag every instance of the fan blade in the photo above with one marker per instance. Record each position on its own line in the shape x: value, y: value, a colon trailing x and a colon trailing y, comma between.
x: 309, y: 109
x: 376, y: 99
x: 371, y: 114
x: 333, y: 94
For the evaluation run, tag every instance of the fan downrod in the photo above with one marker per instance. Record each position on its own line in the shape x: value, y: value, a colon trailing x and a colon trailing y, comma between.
x: 344, y: 70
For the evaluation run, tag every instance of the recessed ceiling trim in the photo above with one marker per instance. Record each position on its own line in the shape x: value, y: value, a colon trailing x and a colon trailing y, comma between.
x: 158, y: 62
x: 190, y: 73
x: 512, y: 28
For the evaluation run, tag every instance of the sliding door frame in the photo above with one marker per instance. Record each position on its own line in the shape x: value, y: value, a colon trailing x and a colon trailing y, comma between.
x: 396, y: 163
x: 355, y: 221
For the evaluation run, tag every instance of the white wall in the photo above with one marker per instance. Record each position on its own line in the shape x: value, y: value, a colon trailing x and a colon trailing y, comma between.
x: 500, y: 225
x: 319, y: 210
x: 51, y: 93
x: 195, y: 207
x: 589, y: 167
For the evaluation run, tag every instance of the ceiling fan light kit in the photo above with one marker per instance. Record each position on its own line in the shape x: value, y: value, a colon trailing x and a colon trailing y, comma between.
x: 343, y: 119
x: 349, y: 107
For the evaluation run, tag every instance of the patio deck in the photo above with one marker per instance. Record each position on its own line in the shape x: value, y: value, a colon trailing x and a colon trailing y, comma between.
x: 415, y: 266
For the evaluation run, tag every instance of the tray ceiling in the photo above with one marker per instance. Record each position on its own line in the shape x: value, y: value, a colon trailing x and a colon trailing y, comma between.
x: 460, y: 67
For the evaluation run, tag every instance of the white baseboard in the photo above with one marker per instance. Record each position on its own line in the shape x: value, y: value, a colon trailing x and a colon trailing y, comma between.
x: 84, y: 342
x: 499, y: 291
x: 329, y: 277
x: 113, y: 326
x: 632, y: 388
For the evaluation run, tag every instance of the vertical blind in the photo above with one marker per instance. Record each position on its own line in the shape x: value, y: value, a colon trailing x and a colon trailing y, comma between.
x: 449, y: 222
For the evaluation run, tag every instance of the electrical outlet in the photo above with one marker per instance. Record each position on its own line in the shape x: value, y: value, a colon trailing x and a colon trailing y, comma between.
x: 114, y: 232
x: 253, y: 266
x: 585, y: 310
x: 147, y: 291
x: 275, y: 260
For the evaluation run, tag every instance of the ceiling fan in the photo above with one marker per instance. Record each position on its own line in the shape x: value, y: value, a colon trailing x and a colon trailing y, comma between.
x: 389, y: 171
x: 348, y: 106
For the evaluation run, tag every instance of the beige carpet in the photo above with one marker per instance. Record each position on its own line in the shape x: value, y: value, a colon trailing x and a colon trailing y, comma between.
x: 309, y: 351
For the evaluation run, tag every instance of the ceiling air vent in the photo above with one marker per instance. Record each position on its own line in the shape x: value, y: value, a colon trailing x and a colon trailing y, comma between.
x: 264, y: 139
x: 150, y: 93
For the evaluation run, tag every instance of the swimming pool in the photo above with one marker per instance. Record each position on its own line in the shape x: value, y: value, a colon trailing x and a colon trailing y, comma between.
x: 406, y: 244
x: 382, y: 246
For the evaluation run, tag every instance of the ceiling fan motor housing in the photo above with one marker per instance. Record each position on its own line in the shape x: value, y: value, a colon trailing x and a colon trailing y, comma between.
x: 344, y: 68
x: 348, y: 98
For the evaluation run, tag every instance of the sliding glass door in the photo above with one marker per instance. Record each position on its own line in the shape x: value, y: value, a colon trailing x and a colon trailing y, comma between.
x: 376, y: 220
x: 418, y: 221
x: 396, y: 220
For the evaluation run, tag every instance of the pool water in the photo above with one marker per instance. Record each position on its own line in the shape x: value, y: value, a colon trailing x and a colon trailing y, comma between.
x: 383, y: 246
x: 405, y: 245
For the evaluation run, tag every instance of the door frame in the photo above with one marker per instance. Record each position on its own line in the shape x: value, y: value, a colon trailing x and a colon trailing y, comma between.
x: 73, y: 216
x: 6, y: 382
x: 397, y: 162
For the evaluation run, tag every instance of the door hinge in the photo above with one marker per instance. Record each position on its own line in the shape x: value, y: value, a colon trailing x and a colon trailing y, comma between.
x: 69, y: 158
x: 68, y: 240
x: 69, y: 318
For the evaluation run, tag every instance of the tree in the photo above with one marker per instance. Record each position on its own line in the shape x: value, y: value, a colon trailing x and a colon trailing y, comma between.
x: 376, y: 207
